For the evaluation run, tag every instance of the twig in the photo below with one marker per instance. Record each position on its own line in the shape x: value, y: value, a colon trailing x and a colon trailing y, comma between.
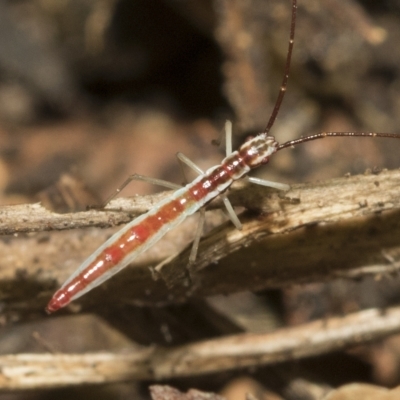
x: 313, y: 232
x: 28, y: 371
x: 328, y: 227
x: 26, y: 218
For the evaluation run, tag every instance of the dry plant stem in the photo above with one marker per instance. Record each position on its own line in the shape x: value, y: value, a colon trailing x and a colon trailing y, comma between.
x: 313, y: 232
x: 26, y: 218
x: 330, y: 227
x: 323, y: 197
x: 164, y: 392
x: 28, y: 371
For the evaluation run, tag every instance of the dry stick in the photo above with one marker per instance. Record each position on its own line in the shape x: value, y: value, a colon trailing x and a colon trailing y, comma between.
x: 329, y: 209
x: 357, y: 206
x: 29, y: 371
x: 27, y: 218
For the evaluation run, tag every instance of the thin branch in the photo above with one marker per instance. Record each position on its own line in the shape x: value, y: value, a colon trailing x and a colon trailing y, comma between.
x: 25, y: 218
x: 28, y: 371
x: 322, y: 198
x: 313, y: 232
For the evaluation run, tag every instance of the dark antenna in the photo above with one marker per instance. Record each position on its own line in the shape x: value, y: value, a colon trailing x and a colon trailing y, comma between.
x: 322, y: 135
x: 282, y: 91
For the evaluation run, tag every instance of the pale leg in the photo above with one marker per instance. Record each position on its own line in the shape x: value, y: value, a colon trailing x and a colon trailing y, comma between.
x: 137, y: 177
x: 263, y: 182
x: 200, y: 226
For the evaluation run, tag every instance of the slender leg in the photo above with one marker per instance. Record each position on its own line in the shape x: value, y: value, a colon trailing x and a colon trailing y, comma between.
x: 228, y: 148
x: 137, y: 177
x: 258, y: 181
x: 231, y: 212
x: 185, y: 160
x: 200, y: 225
x: 263, y: 182
x: 197, y: 237
x: 228, y: 151
x: 228, y: 138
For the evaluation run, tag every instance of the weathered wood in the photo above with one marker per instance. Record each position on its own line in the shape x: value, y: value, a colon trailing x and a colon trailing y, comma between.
x: 29, y: 371
x: 313, y: 232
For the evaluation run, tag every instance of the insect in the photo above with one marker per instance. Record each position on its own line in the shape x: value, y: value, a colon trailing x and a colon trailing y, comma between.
x: 141, y: 233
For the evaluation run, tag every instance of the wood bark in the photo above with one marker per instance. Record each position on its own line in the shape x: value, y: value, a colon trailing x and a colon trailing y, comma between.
x: 343, y: 227
x: 30, y: 371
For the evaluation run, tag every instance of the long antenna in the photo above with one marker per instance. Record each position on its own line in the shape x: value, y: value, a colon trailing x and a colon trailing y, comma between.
x: 323, y: 135
x: 282, y: 91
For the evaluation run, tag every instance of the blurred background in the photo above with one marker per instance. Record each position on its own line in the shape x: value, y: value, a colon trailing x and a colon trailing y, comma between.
x: 94, y: 90
x: 101, y: 89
